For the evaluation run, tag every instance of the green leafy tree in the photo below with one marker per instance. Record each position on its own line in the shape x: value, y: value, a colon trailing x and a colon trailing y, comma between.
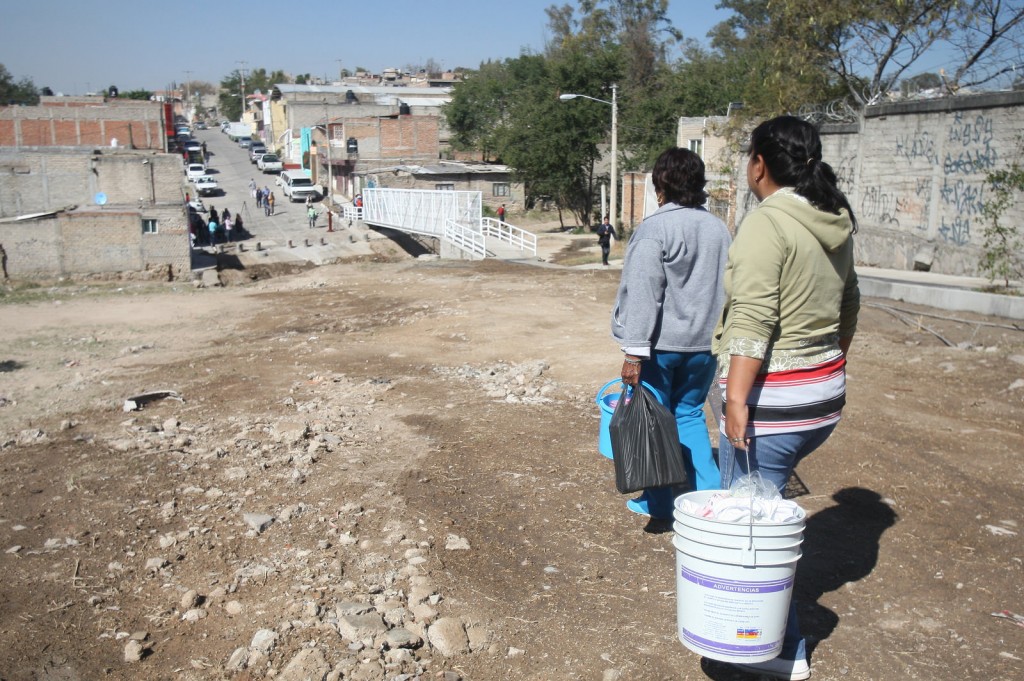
x: 142, y: 95
x: 1003, y: 248
x: 867, y: 46
x: 479, y: 106
x: 777, y: 71
x: 229, y: 100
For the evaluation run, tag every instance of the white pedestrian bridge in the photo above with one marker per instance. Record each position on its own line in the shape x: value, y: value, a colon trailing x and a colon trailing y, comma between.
x: 455, y: 218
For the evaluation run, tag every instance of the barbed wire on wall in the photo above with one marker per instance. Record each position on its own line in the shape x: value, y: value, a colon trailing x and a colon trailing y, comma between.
x: 835, y: 111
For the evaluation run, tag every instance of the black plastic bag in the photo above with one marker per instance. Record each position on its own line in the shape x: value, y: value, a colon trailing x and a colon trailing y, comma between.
x: 645, y: 443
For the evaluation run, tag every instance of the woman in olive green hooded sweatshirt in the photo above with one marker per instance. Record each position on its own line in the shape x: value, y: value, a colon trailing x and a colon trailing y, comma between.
x: 791, y: 312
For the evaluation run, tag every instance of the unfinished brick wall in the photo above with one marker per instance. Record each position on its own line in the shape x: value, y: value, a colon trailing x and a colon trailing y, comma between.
x: 409, y: 137
x: 136, y: 125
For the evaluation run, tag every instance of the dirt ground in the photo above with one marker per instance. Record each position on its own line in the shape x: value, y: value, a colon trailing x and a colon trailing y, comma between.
x: 389, y: 470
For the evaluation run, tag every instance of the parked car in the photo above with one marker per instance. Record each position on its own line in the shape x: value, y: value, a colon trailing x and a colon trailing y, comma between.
x: 194, y: 171
x: 207, y: 186
x: 298, y: 186
x: 256, y: 149
x: 269, y: 163
x: 244, y: 142
x: 200, y: 125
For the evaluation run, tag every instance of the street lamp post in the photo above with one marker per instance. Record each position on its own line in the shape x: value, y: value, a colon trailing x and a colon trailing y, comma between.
x: 614, y: 104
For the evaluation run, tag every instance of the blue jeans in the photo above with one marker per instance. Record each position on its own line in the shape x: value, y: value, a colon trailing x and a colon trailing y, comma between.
x: 775, y: 456
x: 681, y: 381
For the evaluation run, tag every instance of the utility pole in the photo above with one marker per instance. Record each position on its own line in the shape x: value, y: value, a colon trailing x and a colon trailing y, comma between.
x: 188, y: 92
x: 614, y: 204
x: 241, y: 75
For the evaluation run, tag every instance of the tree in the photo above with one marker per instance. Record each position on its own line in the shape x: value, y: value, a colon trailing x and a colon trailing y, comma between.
x: 989, y: 38
x: 776, y: 70
x: 1003, y: 247
x: 229, y: 100
x: 868, y: 45
x: 143, y: 95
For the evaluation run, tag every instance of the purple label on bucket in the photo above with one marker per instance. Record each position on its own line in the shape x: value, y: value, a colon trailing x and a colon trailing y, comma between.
x: 736, y: 586
x: 732, y: 649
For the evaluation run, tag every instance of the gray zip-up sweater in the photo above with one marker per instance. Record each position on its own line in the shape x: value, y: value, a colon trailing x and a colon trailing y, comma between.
x: 671, y: 293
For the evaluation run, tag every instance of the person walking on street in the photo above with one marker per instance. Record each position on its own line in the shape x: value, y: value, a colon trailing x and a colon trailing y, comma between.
x: 228, y: 225
x: 212, y: 228
x: 501, y: 213
x: 605, y: 234
x: 252, y: 188
x: 311, y: 215
x: 270, y: 204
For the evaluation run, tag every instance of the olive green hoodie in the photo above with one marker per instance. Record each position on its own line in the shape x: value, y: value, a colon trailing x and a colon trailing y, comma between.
x: 791, y: 288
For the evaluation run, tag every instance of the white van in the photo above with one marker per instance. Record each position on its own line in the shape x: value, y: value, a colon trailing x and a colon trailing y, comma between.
x: 297, y: 185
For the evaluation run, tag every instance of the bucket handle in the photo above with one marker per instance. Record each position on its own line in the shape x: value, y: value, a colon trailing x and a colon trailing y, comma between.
x: 601, y: 392
x: 748, y: 555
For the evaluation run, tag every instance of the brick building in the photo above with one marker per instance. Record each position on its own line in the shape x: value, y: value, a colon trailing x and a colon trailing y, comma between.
x: 367, y: 127
x: 492, y: 181
x: 86, y: 188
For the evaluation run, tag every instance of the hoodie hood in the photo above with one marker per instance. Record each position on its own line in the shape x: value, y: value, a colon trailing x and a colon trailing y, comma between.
x: 832, y: 231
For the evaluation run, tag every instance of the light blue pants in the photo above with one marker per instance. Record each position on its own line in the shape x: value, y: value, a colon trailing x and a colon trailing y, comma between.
x: 775, y: 456
x: 681, y: 381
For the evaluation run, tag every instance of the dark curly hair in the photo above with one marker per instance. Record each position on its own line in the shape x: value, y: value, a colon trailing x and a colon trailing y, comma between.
x: 791, y: 149
x: 678, y: 176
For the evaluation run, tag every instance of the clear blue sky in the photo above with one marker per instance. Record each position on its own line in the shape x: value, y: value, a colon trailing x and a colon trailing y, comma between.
x: 76, y: 45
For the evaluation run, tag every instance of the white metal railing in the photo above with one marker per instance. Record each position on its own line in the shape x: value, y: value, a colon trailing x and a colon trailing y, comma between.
x: 351, y: 212
x: 465, y: 238
x: 510, y: 234
x: 420, y: 211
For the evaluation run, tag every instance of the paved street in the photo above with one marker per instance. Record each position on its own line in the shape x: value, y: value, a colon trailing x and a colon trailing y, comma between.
x: 230, y: 164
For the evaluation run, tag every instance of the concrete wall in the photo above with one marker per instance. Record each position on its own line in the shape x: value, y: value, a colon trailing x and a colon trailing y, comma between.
x: 79, y: 237
x: 914, y: 173
x: 33, y: 181
x: 93, y: 241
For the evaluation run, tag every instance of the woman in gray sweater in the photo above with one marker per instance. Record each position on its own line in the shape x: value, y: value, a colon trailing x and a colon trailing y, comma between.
x: 668, y: 302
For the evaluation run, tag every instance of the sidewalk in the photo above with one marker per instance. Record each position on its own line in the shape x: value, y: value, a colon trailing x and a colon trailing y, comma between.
x: 943, y: 291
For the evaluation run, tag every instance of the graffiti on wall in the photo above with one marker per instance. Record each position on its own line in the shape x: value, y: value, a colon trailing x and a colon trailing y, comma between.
x: 967, y: 152
x: 919, y: 145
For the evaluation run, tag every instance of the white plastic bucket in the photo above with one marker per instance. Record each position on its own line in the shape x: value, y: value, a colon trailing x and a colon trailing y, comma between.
x: 734, y: 582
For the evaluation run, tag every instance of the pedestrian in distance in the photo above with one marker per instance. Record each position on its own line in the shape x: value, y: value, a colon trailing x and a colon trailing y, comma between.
x: 311, y: 215
x: 501, y: 213
x: 669, y: 299
x: 212, y: 229
x: 605, y: 234
x: 792, y: 301
x: 252, y: 188
x: 270, y: 204
x: 228, y: 226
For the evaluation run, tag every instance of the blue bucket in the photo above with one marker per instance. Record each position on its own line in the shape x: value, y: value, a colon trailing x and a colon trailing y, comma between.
x: 607, y: 401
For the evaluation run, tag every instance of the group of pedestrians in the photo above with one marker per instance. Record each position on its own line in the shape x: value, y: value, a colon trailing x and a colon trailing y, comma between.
x: 772, y: 313
x: 222, y: 227
x: 264, y: 197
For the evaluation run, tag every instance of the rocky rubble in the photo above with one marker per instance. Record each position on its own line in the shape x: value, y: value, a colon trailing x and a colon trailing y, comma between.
x: 319, y: 585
